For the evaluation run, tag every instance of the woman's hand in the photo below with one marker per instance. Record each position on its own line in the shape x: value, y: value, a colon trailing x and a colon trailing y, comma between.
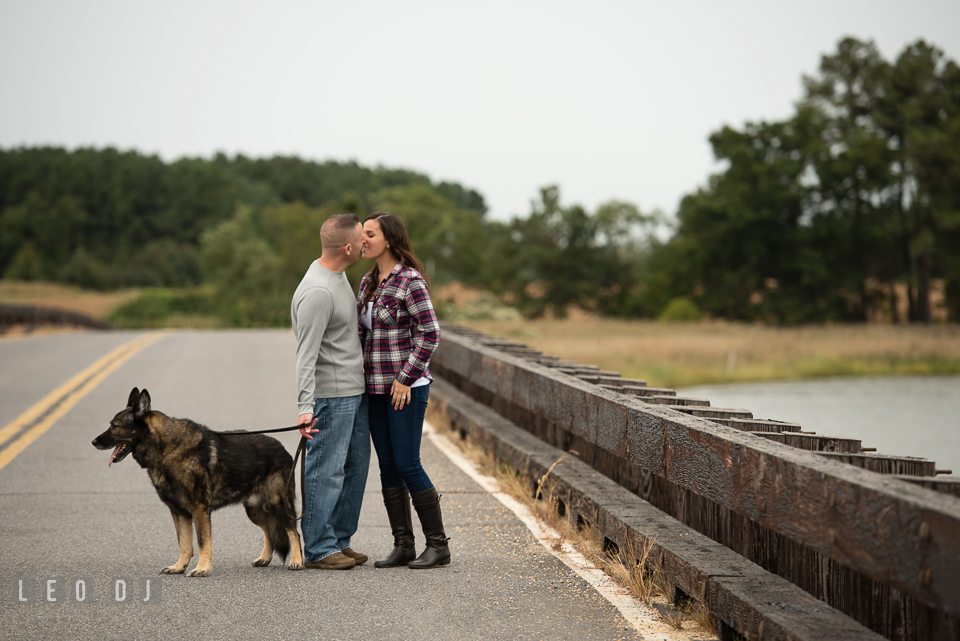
x: 400, y: 394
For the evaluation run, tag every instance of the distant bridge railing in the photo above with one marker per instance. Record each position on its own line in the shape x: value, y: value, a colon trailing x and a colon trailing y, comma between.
x: 32, y: 316
x: 875, y: 536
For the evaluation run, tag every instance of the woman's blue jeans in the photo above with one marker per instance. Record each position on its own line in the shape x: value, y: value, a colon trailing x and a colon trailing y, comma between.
x: 396, y: 436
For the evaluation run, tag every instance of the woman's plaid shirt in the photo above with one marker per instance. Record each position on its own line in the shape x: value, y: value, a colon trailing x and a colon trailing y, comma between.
x: 404, y: 332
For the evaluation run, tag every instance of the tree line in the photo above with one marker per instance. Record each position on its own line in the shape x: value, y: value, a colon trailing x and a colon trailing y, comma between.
x: 849, y: 206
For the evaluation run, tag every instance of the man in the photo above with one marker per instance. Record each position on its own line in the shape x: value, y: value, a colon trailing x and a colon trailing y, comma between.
x: 333, y: 409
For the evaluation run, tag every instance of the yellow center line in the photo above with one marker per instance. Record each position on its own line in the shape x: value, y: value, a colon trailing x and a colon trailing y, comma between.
x: 68, y: 395
x: 53, y: 397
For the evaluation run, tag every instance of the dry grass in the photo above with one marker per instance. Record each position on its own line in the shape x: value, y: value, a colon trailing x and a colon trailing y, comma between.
x: 83, y: 301
x: 681, y: 354
x: 700, y: 615
x: 630, y: 565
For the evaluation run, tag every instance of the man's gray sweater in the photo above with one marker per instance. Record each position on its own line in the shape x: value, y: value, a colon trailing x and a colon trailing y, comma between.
x: 329, y: 356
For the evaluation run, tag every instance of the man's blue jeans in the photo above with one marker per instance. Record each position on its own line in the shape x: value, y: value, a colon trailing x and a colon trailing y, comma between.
x: 335, y: 475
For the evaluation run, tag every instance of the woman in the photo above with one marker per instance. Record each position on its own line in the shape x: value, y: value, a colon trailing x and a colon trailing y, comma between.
x: 399, y: 332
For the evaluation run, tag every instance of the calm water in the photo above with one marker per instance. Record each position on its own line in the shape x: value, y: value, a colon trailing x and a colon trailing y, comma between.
x: 905, y: 416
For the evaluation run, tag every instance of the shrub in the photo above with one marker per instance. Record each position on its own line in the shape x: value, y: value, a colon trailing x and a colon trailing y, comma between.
x: 155, y: 307
x: 680, y: 309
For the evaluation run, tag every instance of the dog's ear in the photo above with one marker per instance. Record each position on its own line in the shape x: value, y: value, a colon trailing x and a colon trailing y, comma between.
x: 133, y: 398
x: 142, y: 407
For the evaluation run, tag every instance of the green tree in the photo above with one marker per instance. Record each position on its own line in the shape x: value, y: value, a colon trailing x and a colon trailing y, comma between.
x: 745, y: 247
x: 859, y: 185
x: 449, y: 240
x: 36, y: 236
x: 922, y: 115
x: 244, y: 272
x: 561, y: 256
x: 851, y: 170
x: 293, y: 233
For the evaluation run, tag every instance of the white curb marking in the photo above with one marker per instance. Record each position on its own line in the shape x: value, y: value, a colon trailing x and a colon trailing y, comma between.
x: 644, y: 619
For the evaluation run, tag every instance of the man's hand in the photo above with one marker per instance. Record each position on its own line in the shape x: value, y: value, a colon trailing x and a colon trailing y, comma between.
x: 308, y: 422
x: 401, y: 395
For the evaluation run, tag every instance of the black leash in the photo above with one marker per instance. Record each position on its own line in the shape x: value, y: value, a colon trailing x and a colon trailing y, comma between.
x: 301, y: 454
x: 279, y: 429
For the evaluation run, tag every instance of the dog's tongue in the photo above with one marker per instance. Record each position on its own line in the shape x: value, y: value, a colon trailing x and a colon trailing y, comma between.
x: 114, y: 455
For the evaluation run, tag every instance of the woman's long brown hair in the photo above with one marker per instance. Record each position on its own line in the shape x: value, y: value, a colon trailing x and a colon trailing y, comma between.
x: 397, y: 238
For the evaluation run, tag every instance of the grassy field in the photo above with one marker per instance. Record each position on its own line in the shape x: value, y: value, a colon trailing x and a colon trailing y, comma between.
x: 664, y: 354
x: 82, y: 301
x: 683, y: 354
x: 150, y: 308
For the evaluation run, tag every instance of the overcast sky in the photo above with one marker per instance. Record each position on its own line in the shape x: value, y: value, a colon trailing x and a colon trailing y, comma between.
x: 610, y: 100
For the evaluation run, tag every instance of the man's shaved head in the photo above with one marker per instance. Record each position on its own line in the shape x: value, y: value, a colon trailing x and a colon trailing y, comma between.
x: 338, y: 231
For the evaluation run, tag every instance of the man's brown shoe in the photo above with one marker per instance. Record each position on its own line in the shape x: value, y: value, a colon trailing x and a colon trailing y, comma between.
x: 359, y: 557
x: 337, y: 561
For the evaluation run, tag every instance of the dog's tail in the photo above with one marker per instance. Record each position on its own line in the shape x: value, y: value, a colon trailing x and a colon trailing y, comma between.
x: 283, y: 519
x: 279, y: 539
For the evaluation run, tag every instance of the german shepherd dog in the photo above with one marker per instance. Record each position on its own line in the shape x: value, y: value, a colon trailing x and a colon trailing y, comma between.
x: 196, y: 470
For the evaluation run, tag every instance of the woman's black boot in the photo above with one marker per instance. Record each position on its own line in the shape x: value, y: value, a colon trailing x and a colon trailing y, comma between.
x: 397, y: 502
x: 427, y: 504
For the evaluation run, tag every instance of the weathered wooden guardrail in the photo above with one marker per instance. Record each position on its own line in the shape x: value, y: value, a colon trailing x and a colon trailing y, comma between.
x: 881, y: 548
x: 33, y: 316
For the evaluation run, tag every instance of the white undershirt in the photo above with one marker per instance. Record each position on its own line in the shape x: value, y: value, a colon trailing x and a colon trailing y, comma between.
x: 367, y: 319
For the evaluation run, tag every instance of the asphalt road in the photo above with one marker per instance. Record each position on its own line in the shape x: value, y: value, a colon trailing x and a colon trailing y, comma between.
x: 66, y: 515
